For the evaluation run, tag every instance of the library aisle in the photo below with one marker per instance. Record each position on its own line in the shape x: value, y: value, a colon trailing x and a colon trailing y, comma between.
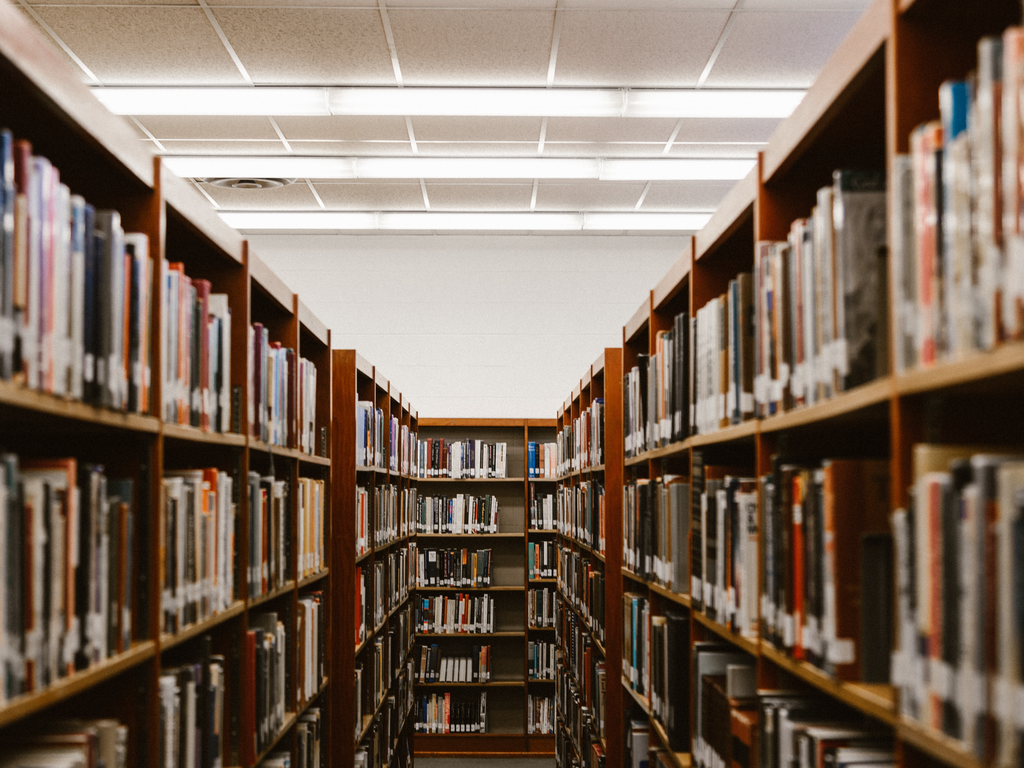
x: 777, y: 522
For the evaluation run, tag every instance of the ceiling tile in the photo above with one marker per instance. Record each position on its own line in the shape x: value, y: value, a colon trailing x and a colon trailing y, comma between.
x: 360, y: 148
x: 651, y: 5
x: 685, y: 195
x: 480, y: 197
x: 588, y: 196
x: 806, y: 5
x: 469, y: 47
x: 345, y: 128
x: 636, y: 48
x: 778, y: 50
x: 309, y: 46
x: 501, y: 5
x: 294, y: 197
x: 738, y: 129
x: 224, y: 147
x: 476, y: 128
x: 151, y: 46
x: 477, y: 149
x: 53, y: 43
x: 610, y: 129
x: 603, y: 149
x: 370, y: 196
x: 223, y: 128
x: 117, y: 2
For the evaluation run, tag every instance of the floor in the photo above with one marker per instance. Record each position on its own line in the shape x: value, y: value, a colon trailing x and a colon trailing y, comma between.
x: 472, y: 762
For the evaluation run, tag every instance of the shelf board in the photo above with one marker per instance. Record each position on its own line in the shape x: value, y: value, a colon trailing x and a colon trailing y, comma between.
x: 471, y: 480
x: 748, y: 644
x: 365, y: 556
x: 1006, y: 359
x: 548, y: 680
x: 937, y: 745
x: 503, y: 588
x: 543, y: 581
x: 679, y: 759
x: 308, y: 458
x: 645, y: 705
x: 366, y: 641
x: 513, y: 535
x: 672, y: 449
x: 874, y: 700
x: 313, y: 578
x: 371, y: 470
x: 634, y: 577
x: 742, y: 431
x: 196, y: 435
x: 316, y: 695
x: 470, y: 634
x: 491, y: 684
x: 668, y: 594
x: 17, y: 396
x: 284, y: 589
x: 859, y: 398
x: 194, y: 630
x: 65, y: 688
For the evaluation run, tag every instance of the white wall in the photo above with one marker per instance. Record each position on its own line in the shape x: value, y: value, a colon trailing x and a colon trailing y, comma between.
x: 474, y: 325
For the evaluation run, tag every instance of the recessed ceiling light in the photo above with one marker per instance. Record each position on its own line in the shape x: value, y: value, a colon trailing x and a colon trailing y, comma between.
x: 612, y: 169
x: 456, y: 102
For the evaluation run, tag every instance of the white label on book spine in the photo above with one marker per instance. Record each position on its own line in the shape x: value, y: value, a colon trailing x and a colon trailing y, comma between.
x: 842, y: 651
x: 746, y: 402
x: 788, y: 630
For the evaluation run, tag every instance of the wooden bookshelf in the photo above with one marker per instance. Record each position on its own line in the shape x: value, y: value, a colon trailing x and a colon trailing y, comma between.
x: 507, y: 712
x: 355, y: 379
x: 99, y: 158
x: 878, y: 86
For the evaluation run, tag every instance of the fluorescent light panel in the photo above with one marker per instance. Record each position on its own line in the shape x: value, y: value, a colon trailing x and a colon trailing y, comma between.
x: 367, y: 168
x: 461, y: 221
x: 456, y: 102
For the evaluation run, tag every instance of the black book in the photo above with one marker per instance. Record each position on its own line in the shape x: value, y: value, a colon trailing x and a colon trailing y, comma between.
x: 876, y: 614
x: 696, y: 532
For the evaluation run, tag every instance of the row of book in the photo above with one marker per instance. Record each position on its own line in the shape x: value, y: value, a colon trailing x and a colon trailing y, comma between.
x: 580, y: 708
x: 541, y: 560
x: 68, y: 536
x: 393, y: 510
x: 195, y: 351
x: 82, y: 743
x: 197, y: 546
x: 823, y: 523
x: 75, y: 300
x: 308, y: 744
x: 820, y: 299
x: 542, y: 510
x: 363, y: 517
x: 370, y: 446
x: 380, y: 593
x: 655, y: 527
x: 455, y: 614
x: 725, y: 546
x: 451, y: 713
x: 540, y: 608
x: 541, y: 660
x: 407, y: 441
x: 541, y: 460
x: 462, y: 513
x: 581, y: 666
x: 362, y: 604
x: 958, y: 230
x: 723, y: 347
x: 540, y: 714
x: 401, y: 575
x: 436, y: 667
x: 581, y: 513
x: 311, y: 642
x: 382, y: 745
x: 264, y: 670
x: 453, y: 568
x: 580, y: 442
x: 656, y: 407
x: 958, y: 561
x: 581, y: 582
x: 669, y: 677
x: 269, y: 533
x: 282, y: 393
x: 636, y: 644
x: 192, y: 709
x: 465, y: 459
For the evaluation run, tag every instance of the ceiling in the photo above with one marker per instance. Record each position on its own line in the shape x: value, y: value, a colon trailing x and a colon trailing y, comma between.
x: 656, y: 44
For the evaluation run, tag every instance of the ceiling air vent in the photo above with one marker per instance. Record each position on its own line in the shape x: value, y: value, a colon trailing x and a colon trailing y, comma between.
x: 249, y: 183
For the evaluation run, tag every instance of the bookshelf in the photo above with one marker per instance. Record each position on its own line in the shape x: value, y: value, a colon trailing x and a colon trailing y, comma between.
x: 879, y: 85
x: 98, y: 158
x: 510, y: 587
x: 581, y: 641
x: 383, y: 721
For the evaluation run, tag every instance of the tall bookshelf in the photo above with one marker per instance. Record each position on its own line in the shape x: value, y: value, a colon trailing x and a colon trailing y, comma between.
x: 879, y: 85
x: 99, y: 158
x: 602, y: 381
x: 356, y: 380
x: 510, y: 687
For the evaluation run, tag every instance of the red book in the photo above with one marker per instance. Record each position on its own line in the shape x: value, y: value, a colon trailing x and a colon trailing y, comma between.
x: 797, y: 551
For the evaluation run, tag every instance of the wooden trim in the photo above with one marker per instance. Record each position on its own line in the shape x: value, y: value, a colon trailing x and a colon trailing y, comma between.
x: 827, y: 95
x: 744, y: 643
x: 195, y: 435
x: 15, y: 395
x: 184, y: 200
x: 426, y: 421
x: 674, y: 280
x: 269, y: 282
x: 864, y: 396
x: 731, y: 213
x: 312, y: 323
x: 640, y: 320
